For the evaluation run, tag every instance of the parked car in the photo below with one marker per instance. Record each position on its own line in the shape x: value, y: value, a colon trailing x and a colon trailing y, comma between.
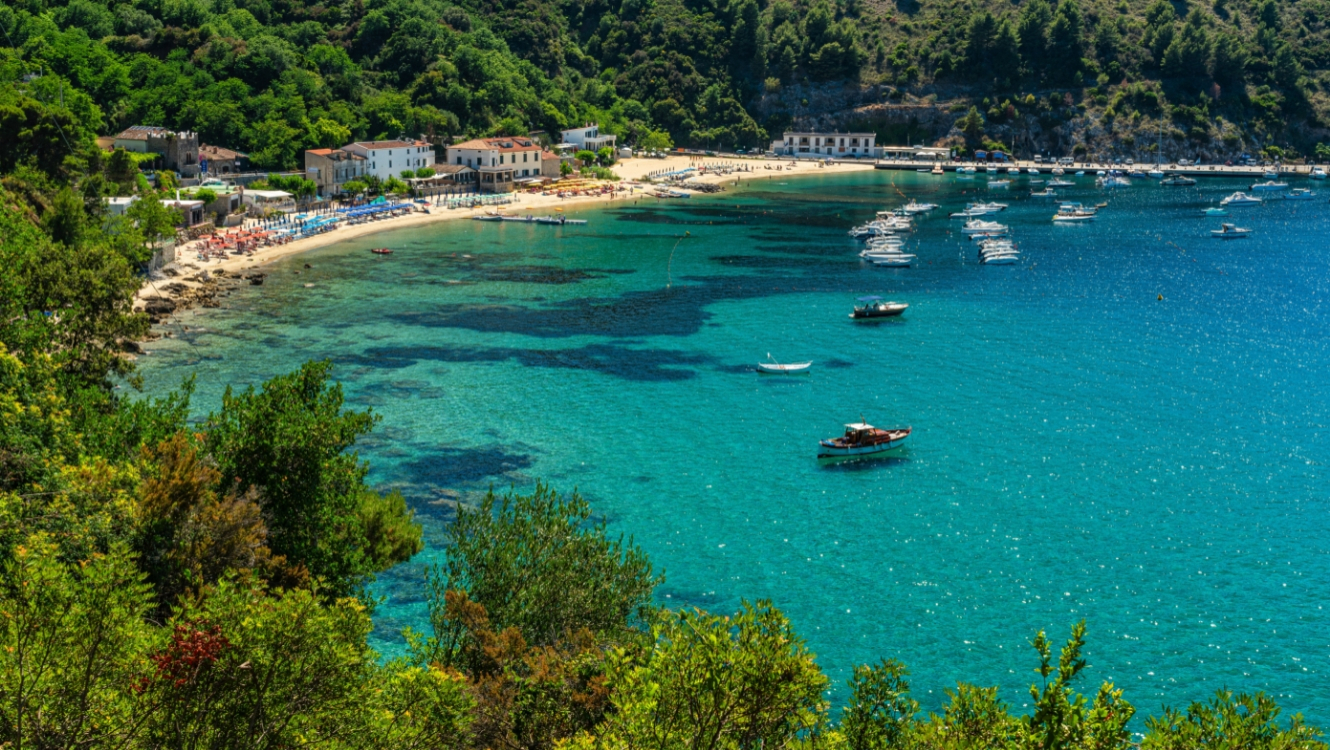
x: 1066, y: 161
x: 1184, y: 162
x: 1038, y: 159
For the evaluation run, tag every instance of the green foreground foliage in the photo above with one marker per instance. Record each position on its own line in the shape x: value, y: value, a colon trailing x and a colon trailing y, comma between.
x: 166, y: 584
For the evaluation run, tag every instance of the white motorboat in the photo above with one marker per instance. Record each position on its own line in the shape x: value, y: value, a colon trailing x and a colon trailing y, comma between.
x: 1177, y: 180
x: 1240, y: 199
x: 877, y: 256
x: 1072, y: 217
x: 1271, y: 174
x: 975, y: 226
x: 1229, y: 232
x: 1061, y: 183
x: 1001, y: 260
x: 898, y: 261
x: 997, y: 184
x: 1155, y: 173
x: 1071, y: 206
x: 876, y: 307
x: 990, y: 207
x: 1113, y: 181
x: 1013, y: 170
x: 886, y: 240
x: 1059, y: 171
x: 937, y: 169
x: 1318, y: 173
x: 861, y: 439
x: 914, y: 207
x: 1269, y: 186
x: 1299, y: 194
x: 775, y: 368
x: 1047, y: 192
x: 991, y: 170
x: 894, y: 252
x: 1032, y: 170
x: 1080, y: 173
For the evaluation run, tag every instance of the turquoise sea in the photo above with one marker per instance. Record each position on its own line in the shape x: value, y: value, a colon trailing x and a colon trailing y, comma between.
x: 1081, y: 447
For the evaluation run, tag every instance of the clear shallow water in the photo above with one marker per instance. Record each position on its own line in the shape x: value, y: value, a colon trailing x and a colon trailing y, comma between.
x: 1081, y: 448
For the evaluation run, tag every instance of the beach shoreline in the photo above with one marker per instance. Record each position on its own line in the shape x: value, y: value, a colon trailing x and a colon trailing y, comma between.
x: 188, y: 289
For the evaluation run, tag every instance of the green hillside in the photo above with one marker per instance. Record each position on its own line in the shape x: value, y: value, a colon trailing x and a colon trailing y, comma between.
x: 272, y: 77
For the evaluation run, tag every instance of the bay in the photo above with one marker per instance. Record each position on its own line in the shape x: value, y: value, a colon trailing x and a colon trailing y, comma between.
x: 1082, y: 447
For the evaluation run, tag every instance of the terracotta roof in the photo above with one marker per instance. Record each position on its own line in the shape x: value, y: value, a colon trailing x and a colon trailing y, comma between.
x: 499, y: 144
x: 450, y: 168
x: 217, y: 152
x: 140, y: 132
x: 336, y: 154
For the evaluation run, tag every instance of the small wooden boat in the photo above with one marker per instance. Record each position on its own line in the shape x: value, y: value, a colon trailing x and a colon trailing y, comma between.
x: 775, y: 368
x: 861, y: 439
x: 381, y: 251
x: 876, y: 307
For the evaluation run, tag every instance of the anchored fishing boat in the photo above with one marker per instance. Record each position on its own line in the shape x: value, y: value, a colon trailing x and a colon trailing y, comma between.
x: 381, y: 251
x: 861, y: 439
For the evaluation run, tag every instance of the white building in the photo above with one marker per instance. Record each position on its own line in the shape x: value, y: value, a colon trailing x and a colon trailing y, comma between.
x: 825, y: 145
x: 499, y: 162
x: 117, y: 206
x: 587, y: 137
x: 385, y: 159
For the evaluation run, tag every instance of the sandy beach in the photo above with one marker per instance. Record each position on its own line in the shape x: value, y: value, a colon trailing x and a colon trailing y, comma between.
x: 630, y: 187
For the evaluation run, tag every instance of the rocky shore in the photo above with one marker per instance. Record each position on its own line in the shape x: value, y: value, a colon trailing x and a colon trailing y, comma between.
x: 187, y: 287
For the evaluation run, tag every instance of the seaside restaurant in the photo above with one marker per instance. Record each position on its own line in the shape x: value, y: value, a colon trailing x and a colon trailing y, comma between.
x: 495, y: 179
x: 915, y: 153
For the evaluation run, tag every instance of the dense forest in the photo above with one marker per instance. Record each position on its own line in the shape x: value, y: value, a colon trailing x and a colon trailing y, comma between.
x: 272, y: 77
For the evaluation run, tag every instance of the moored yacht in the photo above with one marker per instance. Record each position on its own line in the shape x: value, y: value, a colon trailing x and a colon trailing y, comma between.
x: 1240, y: 199
x: 1269, y: 186
x: 1299, y: 194
x: 975, y: 226
x: 1318, y: 173
x: 1177, y: 180
x: 915, y: 207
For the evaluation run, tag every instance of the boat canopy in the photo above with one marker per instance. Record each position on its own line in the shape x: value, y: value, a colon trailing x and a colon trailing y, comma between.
x: 859, y: 426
